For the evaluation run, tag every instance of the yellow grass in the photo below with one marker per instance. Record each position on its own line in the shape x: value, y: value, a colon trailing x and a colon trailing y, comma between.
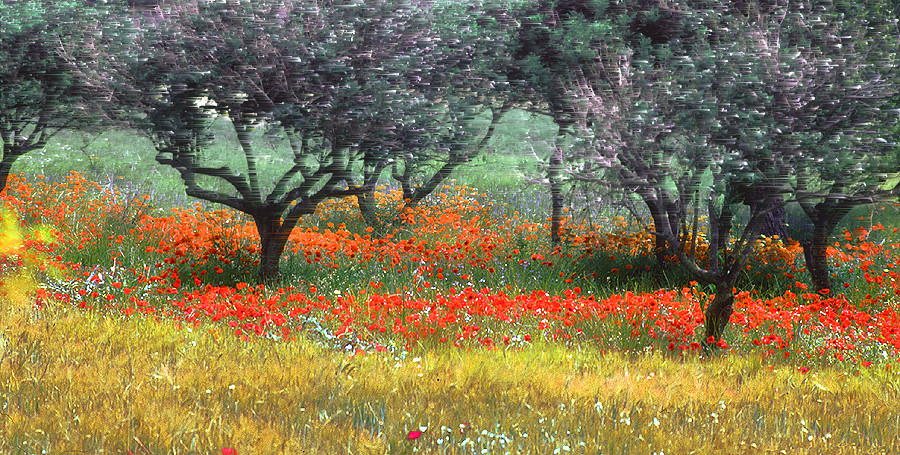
x: 74, y: 381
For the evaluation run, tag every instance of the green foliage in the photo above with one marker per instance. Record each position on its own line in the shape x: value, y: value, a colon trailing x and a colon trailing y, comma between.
x: 354, y: 89
x: 47, y: 73
x: 706, y: 106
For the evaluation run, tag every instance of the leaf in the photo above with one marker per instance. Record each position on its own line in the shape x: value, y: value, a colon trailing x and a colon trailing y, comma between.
x: 891, y: 182
x: 669, y: 186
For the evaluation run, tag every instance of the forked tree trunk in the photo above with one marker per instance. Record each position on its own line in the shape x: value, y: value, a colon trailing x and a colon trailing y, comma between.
x: 718, y: 312
x: 273, y: 237
x: 457, y: 158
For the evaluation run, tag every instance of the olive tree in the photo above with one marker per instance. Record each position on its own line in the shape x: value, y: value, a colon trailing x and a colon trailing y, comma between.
x: 717, y: 107
x: 47, y: 74
x: 352, y: 87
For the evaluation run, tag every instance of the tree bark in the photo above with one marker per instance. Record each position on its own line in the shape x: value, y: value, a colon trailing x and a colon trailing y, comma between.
x: 554, y: 175
x: 273, y: 237
x: 369, y: 212
x: 775, y: 224
x: 661, y: 247
x: 718, y: 313
x: 826, y: 216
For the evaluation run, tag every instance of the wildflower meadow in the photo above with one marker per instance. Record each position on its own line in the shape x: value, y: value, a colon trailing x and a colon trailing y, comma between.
x: 443, y: 227
x: 131, y: 328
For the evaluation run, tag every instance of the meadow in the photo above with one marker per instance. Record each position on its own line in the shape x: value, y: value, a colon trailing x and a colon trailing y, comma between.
x: 132, y: 324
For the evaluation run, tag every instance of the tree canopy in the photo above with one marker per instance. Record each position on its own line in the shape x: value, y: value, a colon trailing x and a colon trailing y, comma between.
x: 354, y: 88
x: 47, y: 77
x: 713, y: 106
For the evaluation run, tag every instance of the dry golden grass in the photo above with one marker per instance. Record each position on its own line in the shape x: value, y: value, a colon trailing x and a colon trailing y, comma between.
x: 73, y: 381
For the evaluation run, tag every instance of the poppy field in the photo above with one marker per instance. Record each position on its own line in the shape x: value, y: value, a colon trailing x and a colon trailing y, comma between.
x: 465, y: 292
x: 452, y: 274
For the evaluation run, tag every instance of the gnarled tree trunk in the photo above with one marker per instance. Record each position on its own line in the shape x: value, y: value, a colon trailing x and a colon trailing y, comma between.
x: 775, y: 224
x: 273, y: 238
x: 554, y: 175
x: 658, y: 216
x: 369, y: 212
x: 718, y: 312
x: 825, y: 219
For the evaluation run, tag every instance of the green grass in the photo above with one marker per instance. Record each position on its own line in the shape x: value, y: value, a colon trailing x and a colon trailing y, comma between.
x: 117, y: 156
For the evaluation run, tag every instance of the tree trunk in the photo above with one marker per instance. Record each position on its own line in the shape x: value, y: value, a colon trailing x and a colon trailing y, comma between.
x: 660, y: 248
x: 369, y: 212
x: 826, y: 217
x: 719, y: 231
x: 273, y: 238
x: 718, y: 312
x: 775, y: 224
x: 554, y: 175
x: 815, y: 252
